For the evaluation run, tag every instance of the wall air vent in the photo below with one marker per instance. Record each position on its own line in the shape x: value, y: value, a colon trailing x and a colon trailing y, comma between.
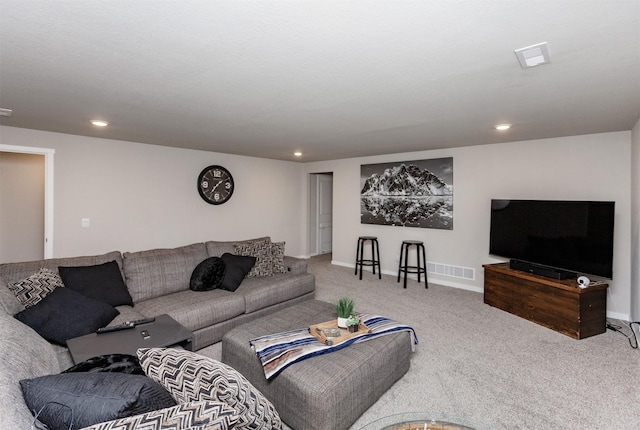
x: 451, y: 270
x: 532, y: 56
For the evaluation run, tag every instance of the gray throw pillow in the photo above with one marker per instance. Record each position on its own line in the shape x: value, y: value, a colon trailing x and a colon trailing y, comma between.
x: 83, y: 399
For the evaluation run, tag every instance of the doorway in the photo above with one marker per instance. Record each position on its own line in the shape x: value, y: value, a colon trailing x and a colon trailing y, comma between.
x: 26, y: 203
x: 320, y: 213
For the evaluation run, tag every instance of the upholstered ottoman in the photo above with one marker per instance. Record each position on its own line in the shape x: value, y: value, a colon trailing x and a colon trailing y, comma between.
x: 329, y: 391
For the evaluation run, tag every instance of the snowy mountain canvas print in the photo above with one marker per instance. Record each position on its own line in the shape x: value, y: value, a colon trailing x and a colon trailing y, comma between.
x: 408, y: 194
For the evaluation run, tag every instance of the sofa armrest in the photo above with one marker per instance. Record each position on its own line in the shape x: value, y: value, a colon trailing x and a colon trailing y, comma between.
x: 295, y: 266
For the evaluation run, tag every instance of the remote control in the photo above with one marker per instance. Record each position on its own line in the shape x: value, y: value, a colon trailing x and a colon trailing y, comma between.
x: 143, y: 321
x: 125, y: 325
x: 122, y: 326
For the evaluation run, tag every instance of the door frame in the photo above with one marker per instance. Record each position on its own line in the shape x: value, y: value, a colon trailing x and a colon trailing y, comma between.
x: 48, y: 189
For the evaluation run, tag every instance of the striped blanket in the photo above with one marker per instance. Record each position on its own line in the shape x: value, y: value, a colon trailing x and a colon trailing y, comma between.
x: 279, y: 351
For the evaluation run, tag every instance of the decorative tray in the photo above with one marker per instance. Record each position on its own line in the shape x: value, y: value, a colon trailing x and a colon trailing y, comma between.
x: 330, y: 334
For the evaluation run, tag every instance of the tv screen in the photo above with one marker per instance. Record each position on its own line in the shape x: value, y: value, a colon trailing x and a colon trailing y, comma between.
x: 575, y: 236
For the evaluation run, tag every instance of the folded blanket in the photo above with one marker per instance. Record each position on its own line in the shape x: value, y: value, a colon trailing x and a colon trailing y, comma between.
x: 279, y: 351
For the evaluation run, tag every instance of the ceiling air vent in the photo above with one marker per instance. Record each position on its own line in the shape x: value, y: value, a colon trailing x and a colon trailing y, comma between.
x: 533, y: 55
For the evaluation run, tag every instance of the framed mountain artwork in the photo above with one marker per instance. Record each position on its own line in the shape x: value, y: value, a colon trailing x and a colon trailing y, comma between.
x: 408, y: 194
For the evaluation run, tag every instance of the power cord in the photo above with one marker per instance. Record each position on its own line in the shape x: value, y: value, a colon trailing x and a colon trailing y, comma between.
x: 633, y: 340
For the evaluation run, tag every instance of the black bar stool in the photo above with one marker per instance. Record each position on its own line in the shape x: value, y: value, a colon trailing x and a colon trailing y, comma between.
x: 375, y: 255
x: 418, y: 268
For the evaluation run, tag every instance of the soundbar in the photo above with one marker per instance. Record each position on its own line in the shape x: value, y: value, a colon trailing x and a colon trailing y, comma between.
x: 536, y: 269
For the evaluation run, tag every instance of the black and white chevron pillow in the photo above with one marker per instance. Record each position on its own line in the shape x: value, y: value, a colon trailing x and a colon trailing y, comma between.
x: 190, y: 377
x: 36, y: 287
x: 205, y: 415
x: 269, y: 257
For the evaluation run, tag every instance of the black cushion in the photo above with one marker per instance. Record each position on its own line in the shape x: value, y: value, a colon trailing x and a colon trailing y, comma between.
x: 83, y: 399
x: 120, y: 363
x: 237, y: 268
x: 101, y: 282
x: 208, y: 275
x: 65, y: 314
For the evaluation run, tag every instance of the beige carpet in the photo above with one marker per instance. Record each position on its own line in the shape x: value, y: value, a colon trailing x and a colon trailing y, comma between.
x: 490, y: 366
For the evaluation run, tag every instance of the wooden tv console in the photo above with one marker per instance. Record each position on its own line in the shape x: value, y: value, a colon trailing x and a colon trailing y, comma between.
x: 557, y: 304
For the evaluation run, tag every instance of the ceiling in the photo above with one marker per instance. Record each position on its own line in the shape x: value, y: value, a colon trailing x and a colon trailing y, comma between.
x: 332, y: 79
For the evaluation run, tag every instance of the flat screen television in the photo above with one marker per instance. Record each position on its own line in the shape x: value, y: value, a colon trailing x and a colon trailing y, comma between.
x: 563, y: 237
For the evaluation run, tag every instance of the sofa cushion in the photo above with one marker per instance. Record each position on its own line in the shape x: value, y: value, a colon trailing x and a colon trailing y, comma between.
x: 208, y: 275
x: 277, y: 258
x: 192, y: 377
x: 216, y: 248
x: 33, y: 289
x: 260, y: 293
x: 204, y: 415
x: 195, y: 309
x: 65, y: 314
x: 237, y: 268
x: 262, y: 251
x: 24, y: 354
x: 83, y: 399
x: 102, y: 282
x: 158, y: 272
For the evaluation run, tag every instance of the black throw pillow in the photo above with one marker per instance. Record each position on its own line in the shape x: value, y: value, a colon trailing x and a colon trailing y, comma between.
x: 208, y: 275
x: 77, y: 400
x: 101, y: 282
x: 118, y: 363
x: 65, y: 314
x: 237, y: 268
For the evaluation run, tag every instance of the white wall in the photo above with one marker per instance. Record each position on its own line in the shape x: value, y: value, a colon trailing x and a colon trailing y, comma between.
x: 635, y: 222
x: 592, y: 167
x: 141, y: 196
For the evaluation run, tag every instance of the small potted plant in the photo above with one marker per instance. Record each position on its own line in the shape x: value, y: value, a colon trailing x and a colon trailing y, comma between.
x: 353, y: 323
x: 344, y: 308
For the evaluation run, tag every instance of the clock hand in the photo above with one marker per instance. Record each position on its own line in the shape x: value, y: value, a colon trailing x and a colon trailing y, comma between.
x: 217, y: 185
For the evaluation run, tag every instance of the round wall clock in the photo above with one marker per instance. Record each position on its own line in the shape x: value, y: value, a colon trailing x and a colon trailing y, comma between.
x: 215, y: 185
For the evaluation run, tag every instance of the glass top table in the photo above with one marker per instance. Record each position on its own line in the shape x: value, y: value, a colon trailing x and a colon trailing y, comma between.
x: 425, y: 421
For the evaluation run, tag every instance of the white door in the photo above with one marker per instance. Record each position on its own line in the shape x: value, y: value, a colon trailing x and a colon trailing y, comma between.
x: 325, y: 213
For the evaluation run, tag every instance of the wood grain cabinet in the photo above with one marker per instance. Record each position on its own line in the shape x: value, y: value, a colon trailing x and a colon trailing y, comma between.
x: 557, y: 304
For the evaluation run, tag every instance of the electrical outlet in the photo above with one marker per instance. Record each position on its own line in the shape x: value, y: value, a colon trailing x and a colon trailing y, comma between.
x: 86, y: 222
x: 397, y: 258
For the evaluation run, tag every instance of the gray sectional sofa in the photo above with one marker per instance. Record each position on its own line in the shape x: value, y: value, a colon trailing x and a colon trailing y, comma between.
x: 158, y: 283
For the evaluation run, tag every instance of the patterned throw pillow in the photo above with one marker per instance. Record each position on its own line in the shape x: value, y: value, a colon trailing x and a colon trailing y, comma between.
x: 205, y: 415
x: 36, y: 287
x: 192, y: 377
x: 277, y: 257
x: 261, y: 250
x: 269, y: 257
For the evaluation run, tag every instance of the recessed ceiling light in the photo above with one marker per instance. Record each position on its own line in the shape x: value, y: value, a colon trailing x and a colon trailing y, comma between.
x: 99, y: 123
x: 503, y: 127
x: 298, y: 154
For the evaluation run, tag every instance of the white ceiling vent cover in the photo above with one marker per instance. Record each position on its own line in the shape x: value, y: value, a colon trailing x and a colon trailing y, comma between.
x: 533, y: 55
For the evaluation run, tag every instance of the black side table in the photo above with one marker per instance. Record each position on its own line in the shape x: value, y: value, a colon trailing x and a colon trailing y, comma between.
x: 163, y: 332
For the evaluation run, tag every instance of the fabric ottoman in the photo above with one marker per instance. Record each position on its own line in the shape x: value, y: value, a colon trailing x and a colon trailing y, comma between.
x: 329, y: 391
